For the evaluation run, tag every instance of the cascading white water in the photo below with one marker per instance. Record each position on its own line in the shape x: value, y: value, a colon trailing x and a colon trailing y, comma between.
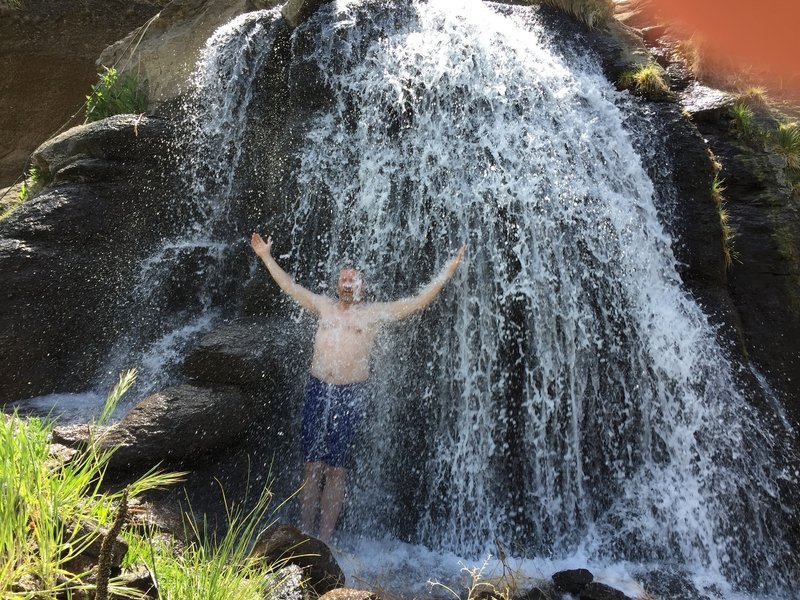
x: 190, y: 265
x: 566, y: 393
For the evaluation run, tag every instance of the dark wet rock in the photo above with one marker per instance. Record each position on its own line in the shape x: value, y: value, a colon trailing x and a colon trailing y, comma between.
x: 117, y: 138
x: 246, y: 352
x: 600, y: 591
x: 671, y: 584
x: 67, y: 256
x: 182, y: 423
x: 705, y: 104
x: 296, y: 12
x: 141, y: 580
x: 287, y: 544
x: 764, y: 280
x: 572, y: 581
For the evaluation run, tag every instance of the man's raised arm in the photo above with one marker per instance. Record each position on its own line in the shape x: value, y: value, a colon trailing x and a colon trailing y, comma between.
x: 307, y: 299
x: 405, y: 307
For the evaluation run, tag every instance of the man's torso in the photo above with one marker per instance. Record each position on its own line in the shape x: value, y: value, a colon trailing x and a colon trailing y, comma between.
x: 343, y: 342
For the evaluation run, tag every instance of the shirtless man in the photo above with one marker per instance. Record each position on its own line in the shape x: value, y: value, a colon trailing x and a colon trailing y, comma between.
x: 335, y: 395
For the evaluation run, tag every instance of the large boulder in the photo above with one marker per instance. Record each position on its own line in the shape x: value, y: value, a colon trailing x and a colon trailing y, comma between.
x: 68, y: 255
x: 286, y: 545
x: 177, y: 425
x: 164, y: 51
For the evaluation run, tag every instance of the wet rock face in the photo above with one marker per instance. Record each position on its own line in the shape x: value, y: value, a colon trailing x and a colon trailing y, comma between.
x: 764, y: 280
x: 67, y: 256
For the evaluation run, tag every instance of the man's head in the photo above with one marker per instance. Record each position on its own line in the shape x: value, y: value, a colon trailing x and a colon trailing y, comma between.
x: 350, y: 286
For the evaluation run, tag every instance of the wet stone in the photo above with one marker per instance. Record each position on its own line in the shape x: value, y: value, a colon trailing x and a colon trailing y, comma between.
x: 572, y: 581
x: 601, y: 591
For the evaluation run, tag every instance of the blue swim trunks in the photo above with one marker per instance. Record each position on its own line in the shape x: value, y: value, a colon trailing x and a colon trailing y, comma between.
x: 331, y: 416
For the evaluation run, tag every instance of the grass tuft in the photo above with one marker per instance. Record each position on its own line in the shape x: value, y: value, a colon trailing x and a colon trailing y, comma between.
x: 46, y: 505
x: 717, y: 195
x: 647, y: 81
x: 753, y: 96
x: 115, y: 95
x: 787, y: 142
x: 592, y: 13
x: 741, y: 115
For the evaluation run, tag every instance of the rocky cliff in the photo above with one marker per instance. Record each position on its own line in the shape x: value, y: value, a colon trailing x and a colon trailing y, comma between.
x: 48, y: 52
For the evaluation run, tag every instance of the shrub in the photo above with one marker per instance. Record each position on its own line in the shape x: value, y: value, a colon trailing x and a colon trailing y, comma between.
x: 647, y: 81
x: 115, y: 95
x: 788, y: 144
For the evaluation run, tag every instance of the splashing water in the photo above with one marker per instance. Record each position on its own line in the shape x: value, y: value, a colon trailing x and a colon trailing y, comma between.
x: 566, y: 395
x: 184, y: 280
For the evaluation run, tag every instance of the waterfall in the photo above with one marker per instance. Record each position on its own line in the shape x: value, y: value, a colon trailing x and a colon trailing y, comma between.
x: 565, y: 394
x: 184, y: 281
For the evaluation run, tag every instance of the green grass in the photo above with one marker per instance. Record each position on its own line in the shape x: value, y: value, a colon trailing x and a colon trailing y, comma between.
x: 215, y: 566
x: 741, y: 115
x: 30, y: 185
x: 592, y: 13
x: 717, y: 195
x: 787, y: 143
x: 45, y: 501
x: 647, y: 81
x: 115, y: 95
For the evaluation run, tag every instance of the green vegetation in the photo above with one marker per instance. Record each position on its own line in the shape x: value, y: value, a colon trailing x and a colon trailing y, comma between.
x: 728, y: 250
x: 115, y: 95
x: 742, y: 119
x: 647, y: 81
x: 27, y: 189
x: 753, y: 96
x: 787, y: 143
x: 592, y: 13
x: 214, y: 567
x: 54, y: 507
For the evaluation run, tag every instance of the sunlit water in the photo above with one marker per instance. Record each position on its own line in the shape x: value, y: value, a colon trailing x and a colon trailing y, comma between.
x: 564, y: 396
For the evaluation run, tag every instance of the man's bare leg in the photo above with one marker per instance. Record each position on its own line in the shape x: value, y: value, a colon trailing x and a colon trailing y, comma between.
x: 332, y: 501
x: 310, y: 495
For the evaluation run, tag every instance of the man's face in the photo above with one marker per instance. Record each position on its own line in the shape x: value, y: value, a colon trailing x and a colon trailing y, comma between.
x: 350, y: 285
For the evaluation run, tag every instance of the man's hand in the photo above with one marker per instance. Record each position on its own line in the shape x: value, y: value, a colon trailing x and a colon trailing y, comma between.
x: 263, y: 249
x: 453, y: 263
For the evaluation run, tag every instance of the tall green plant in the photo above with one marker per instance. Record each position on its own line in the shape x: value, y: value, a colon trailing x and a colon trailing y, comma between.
x: 47, y: 501
x: 115, y: 95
